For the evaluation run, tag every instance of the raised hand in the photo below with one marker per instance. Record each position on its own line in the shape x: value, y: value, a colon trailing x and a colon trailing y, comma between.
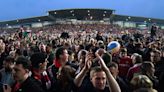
x: 80, y: 77
x: 101, y: 61
x: 88, y: 62
x: 113, y: 85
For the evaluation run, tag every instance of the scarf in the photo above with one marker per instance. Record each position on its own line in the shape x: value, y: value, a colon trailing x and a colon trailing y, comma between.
x: 43, y: 78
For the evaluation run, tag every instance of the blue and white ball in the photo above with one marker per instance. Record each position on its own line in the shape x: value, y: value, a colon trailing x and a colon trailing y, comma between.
x: 113, y: 47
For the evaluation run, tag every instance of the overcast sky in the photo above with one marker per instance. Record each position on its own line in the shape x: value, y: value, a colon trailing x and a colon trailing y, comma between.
x: 16, y: 9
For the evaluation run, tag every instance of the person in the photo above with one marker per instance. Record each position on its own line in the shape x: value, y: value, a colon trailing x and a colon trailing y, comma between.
x: 124, y: 64
x: 18, y: 53
x: 81, y: 59
x: 159, y: 71
x: 99, y: 76
x: 50, y: 54
x: 23, y: 83
x: 155, y: 56
x: 3, y: 53
x: 130, y: 45
x: 113, y: 67
x: 153, y: 30
x: 148, y: 69
x: 64, y: 35
x: 6, y: 74
x: 99, y: 36
x: 61, y: 59
x: 64, y: 82
x: 141, y: 83
x: 39, y: 65
x: 42, y: 47
x: 135, y: 69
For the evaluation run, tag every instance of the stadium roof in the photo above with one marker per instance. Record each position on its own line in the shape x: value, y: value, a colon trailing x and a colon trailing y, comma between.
x: 136, y: 19
x: 81, y: 14
x: 79, y: 9
x: 26, y: 20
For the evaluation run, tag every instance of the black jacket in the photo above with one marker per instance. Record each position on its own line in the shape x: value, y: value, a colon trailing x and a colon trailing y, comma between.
x: 30, y: 85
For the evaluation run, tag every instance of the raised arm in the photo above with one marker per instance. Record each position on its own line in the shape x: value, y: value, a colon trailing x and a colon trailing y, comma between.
x: 80, y: 77
x: 113, y: 85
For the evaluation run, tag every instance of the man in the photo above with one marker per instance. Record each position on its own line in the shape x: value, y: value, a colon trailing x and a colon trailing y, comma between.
x: 24, y: 83
x: 125, y: 63
x: 148, y: 69
x: 3, y: 54
x: 42, y: 47
x: 39, y: 66
x: 50, y: 54
x: 113, y: 67
x: 99, y: 36
x: 6, y: 74
x: 61, y: 59
x: 135, y: 69
x: 153, y: 30
x: 100, y: 77
x: 155, y: 56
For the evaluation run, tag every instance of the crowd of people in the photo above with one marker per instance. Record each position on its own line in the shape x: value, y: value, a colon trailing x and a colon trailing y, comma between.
x: 75, y: 58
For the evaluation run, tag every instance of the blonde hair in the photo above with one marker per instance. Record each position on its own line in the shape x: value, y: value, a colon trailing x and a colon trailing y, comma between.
x: 141, y: 81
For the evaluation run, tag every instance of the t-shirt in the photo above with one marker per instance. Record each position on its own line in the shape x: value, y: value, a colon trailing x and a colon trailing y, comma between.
x: 124, y: 65
x: 89, y: 88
